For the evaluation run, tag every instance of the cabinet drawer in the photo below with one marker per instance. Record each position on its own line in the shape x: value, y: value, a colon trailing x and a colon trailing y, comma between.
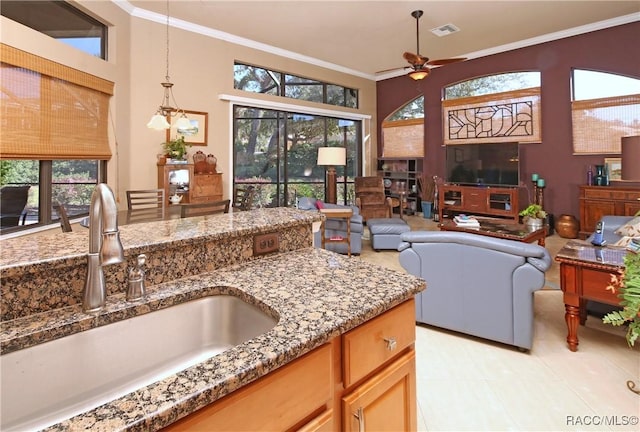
x: 370, y: 345
x: 204, y: 199
x: 633, y: 196
x: 278, y: 401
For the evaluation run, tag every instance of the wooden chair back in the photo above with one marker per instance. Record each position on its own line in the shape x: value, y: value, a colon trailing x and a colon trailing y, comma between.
x: 150, y: 198
x: 203, y: 209
x: 64, y: 218
x: 243, y: 197
x: 13, y: 200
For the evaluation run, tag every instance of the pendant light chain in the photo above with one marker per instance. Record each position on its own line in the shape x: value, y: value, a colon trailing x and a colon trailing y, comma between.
x: 167, y: 74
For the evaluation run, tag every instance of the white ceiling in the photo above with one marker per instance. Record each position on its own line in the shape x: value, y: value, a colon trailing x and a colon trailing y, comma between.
x: 363, y: 37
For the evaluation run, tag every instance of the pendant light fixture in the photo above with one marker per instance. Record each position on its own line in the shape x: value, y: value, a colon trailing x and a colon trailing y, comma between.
x: 159, y: 119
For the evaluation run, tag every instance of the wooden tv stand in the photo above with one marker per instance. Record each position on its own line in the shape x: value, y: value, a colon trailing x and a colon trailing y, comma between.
x: 500, y: 202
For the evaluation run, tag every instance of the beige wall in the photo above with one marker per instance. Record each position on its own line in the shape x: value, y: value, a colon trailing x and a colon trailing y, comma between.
x: 201, y: 69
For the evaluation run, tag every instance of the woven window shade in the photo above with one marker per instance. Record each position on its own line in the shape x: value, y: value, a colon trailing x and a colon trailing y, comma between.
x: 598, y: 124
x: 512, y: 116
x: 51, y: 111
x: 403, y: 138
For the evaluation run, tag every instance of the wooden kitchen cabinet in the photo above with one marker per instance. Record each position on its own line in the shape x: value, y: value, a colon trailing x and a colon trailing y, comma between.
x: 378, y: 361
x: 598, y: 201
x: 195, y: 188
x: 206, y: 188
x: 281, y: 400
x: 369, y: 371
x: 393, y: 390
x: 175, y: 179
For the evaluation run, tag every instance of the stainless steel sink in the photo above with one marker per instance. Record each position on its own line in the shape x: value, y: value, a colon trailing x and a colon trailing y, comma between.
x: 47, y: 383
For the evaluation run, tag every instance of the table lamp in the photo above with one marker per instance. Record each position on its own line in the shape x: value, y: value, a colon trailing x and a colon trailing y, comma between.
x: 631, y: 158
x: 332, y: 157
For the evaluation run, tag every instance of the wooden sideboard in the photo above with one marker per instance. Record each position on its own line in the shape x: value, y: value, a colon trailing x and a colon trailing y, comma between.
x: 598, y: 201
x: 182, y: 180
x: 501, y: 202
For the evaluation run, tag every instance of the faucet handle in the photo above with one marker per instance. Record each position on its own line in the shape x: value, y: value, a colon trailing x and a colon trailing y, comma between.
x: 137, y: 289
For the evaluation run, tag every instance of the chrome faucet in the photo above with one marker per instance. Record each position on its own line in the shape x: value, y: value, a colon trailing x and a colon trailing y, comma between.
x: 105, y: 247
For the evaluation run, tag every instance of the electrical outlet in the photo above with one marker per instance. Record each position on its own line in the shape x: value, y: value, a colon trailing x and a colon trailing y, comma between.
x: 266, y: 243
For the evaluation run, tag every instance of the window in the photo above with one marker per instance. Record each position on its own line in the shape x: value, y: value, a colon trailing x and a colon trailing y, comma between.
x: 403, y: 131
x: 259, y: 80
x: 492, y: 109
x: 277, y: 151
x: 605, y: 108
x: 61, y: 21
x: 492, y: 84
x: 54, y: 136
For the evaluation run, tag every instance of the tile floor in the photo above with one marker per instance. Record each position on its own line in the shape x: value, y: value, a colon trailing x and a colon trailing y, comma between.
x: 469, y: 384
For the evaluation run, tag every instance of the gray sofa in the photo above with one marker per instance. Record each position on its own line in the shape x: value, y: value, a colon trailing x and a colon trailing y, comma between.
x: 477, y: 285
x: 611, y: 224
x: 337, y: 227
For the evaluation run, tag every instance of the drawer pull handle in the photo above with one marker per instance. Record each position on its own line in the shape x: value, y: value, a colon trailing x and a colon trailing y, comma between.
x: 359, y: 414
x: 391, y: 343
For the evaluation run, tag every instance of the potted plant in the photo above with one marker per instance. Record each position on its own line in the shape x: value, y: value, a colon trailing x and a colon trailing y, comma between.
x: 628, y: 286
x: 533, y: 215
x: 176, y: 148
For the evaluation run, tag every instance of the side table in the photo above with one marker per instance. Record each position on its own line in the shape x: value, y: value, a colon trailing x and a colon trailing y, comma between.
x: 585, y: 272
x: 337, y: 214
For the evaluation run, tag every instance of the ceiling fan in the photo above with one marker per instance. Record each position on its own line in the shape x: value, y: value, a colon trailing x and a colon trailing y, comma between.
x: 419, y: 63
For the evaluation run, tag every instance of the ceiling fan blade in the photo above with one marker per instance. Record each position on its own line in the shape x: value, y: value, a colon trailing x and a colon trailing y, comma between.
x: 415, y: 60
x: 442, y: 62
x: 393, y: 69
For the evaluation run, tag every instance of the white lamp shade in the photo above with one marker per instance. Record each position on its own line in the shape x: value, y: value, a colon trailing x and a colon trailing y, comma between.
x: 183, y: 123
x: 158, y: 122
x: 332, y: 156
x: 631, y: 158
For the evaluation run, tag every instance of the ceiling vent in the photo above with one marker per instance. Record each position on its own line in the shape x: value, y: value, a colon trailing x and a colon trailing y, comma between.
x: 445, y: 30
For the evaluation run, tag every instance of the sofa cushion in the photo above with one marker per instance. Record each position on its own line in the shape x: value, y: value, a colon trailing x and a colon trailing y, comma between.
x: 630, y: 229
x: 624, y: 241
x: 307, y: 203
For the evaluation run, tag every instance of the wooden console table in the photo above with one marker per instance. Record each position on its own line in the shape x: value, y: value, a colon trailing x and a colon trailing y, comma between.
x: 598, y: 201
x: 337, y: 214
x: 585, y: 273
x: 497, y: 202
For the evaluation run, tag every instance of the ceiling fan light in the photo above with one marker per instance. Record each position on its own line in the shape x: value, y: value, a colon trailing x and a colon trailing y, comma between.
x: 419, y: 74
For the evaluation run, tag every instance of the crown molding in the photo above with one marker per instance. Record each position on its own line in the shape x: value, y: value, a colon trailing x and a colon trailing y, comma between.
x: 228, y: 37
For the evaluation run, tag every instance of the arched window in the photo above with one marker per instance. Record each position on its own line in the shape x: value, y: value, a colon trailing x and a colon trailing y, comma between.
x: 492, y: 109
x: 605, y: 107
x: 403, y: 130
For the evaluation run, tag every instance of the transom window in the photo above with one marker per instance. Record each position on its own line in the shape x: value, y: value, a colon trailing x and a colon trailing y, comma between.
x: 62, y: 21
x: 260, y: 80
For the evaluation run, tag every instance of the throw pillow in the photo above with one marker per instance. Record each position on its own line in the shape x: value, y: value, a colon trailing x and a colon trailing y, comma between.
x: 319, y: 205
x: 630, y: 229
x: 623, y: 242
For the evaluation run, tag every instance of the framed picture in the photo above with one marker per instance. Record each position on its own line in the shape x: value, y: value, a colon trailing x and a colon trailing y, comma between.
x: 197, y: 134
x: 614, y: 168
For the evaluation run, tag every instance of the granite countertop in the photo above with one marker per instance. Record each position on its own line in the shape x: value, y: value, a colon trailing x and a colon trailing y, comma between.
x: 315, y: 294
x: 64, y: 248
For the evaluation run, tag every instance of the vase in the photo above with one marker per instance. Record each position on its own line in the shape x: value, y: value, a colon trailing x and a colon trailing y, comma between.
x: 533, y: 223
x: 567, y: 226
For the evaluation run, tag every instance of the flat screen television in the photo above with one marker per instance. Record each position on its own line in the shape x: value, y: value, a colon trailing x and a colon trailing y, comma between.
x: 483, y: 164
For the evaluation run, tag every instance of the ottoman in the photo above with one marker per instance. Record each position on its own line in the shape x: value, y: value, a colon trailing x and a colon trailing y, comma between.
x: 385, y: 233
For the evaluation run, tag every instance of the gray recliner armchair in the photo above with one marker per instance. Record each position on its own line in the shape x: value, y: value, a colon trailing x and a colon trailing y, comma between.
x: 477, y: 285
